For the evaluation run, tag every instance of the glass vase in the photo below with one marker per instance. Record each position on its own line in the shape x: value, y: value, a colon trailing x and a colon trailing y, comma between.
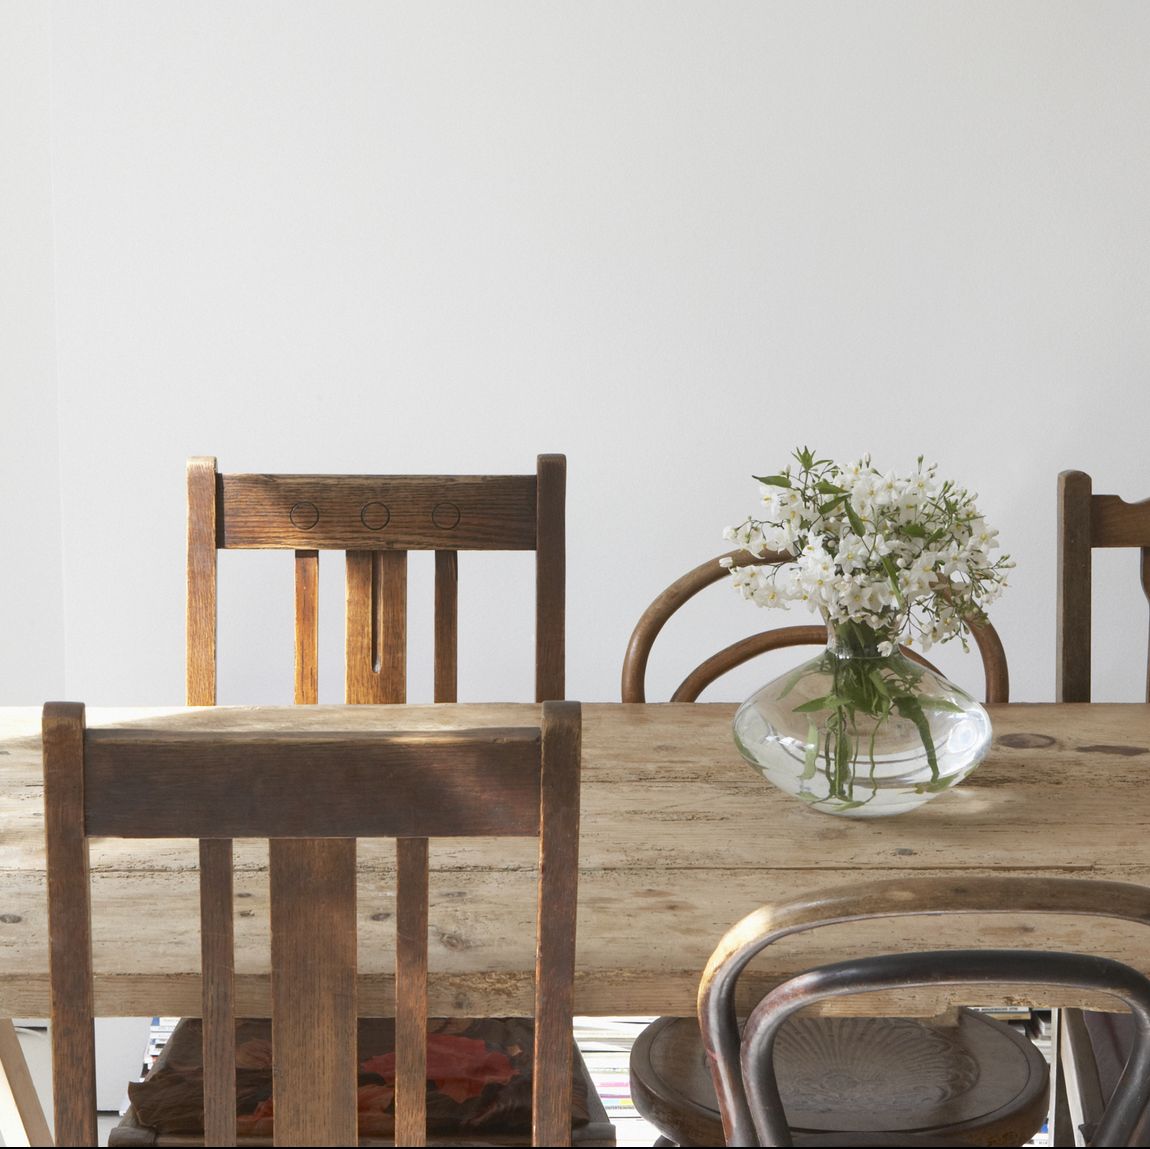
x: 862, y: 734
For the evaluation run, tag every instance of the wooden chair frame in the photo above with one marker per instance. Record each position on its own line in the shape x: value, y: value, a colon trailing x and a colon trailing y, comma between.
x: 655, y: 617
x: 895, y: 898
x: 377, y: 519
x: 311, y: 796
x: 948, y: 967
x: 1086, y: 521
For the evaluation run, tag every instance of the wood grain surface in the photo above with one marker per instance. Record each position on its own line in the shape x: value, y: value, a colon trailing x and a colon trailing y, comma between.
x: 314, y: 992
x: 378, y: 512
x: 679, y: 839
x: 202, y: 572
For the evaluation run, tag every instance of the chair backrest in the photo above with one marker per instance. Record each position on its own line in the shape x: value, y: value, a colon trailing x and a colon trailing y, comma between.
x: 949, y: 967
x: 685, y: 588
x: 1086, y: 521
x: 312, y: 795
x: 895, y: 898
x: 377, y: 519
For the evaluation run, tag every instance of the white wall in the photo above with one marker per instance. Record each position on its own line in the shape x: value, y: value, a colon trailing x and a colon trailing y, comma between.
x: 673, y: 240
x: 31, y: 595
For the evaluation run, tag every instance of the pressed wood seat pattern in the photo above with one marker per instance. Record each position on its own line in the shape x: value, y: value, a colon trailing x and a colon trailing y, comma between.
x: 745, y: 1065
x: 312, y: 796
x: 670, y: 1084
x: 376, y: 520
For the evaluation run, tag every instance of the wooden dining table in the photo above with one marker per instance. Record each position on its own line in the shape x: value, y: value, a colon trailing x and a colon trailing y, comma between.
x: 680, y: 838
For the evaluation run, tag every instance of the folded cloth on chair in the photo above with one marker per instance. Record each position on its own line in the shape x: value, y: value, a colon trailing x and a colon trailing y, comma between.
x: 478, y: 1079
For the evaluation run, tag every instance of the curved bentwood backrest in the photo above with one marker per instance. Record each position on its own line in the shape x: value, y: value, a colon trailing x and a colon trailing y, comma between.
x: 949, y: 967
x: 895, y: 898
x: 683, y: 589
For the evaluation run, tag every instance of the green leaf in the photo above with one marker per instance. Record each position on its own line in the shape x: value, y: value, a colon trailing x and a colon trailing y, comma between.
x: 812, y: 755
x: 827, y: 702
x: 773, y: 480
x: 908, y: 706
x: 856, y: 523
x: 892, y: 575
x: 929, y: 703
x: 913, y: 530
x: 826, y: 487
x: 880, y: 683
x: 827, y: 507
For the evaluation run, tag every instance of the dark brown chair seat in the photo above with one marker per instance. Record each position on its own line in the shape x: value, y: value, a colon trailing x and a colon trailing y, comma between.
x: 889, y: 1076
x: 479, y: 1079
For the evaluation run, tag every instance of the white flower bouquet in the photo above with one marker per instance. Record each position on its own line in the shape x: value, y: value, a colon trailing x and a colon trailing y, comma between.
x: 886, y: 559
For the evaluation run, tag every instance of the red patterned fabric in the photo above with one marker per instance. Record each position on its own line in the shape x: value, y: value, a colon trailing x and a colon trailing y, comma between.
x: 478, y: 1079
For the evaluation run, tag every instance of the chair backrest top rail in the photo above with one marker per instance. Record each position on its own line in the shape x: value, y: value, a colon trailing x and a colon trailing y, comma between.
x: 368, y: 512
x: 354, y: 785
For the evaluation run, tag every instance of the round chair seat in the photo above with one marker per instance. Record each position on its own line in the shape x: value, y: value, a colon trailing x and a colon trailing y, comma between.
x: 974, y: 1082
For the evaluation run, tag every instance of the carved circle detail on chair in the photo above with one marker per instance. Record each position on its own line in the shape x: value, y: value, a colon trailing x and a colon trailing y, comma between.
x: 304, y: 516
x: 375, y: 516
x: 445, y: 516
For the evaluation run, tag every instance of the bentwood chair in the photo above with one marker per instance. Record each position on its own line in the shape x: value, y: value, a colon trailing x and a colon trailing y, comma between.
x: 670, y: 1085
x: 745, y: 1066
x: 376, y: 520
x: 312, y: 796
x: 683, y: 589
x: 1093, y: 1046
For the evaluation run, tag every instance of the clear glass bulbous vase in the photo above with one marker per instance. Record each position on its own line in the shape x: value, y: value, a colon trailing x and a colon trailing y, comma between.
x: 860, y: 734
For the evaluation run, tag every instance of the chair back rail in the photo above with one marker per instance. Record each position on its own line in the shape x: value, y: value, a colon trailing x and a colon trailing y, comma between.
x: 894, y: 898
x: 655, y: 617
x: 1086, y: 521
x: 522, y: 782
x: 376, y: 520
x: 948, y: 967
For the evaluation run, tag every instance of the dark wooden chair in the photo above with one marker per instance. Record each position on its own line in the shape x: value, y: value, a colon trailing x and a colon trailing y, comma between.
x: 670, y: 1085
x: 1086, y: 521
x: 376, y: 520
x: 311, y: 796
x: 1092, y: 1046
x: 744, y: 1068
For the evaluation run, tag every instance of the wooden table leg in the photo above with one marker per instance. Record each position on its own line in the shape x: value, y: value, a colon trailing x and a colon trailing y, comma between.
x: 22, y: 1120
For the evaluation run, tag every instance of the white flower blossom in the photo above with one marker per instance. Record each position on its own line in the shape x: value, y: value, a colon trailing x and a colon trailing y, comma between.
x: 906, y: 556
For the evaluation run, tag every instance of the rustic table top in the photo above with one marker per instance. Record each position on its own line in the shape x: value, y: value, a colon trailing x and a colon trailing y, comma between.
x: 680, y: 838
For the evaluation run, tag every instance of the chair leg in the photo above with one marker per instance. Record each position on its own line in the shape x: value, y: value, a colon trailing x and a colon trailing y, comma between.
x: 1079, y: 1070
x: 22, y: 1120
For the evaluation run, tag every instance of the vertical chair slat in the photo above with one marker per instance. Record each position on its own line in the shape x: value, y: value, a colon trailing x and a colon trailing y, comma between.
x: 1074, y: 579
x: 1146, y: 591
x: 390, y: 579
x: 201, y: 628
x: 446, y: 626
x: 313, y: 941
x: 306, y: 628
x: 555, y: 929
x: 217, y: 962
x: 376, y: 626
x: 358, y: 648
x: 69, y: 926
x: 411, y: 897
x: 550, y: 577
